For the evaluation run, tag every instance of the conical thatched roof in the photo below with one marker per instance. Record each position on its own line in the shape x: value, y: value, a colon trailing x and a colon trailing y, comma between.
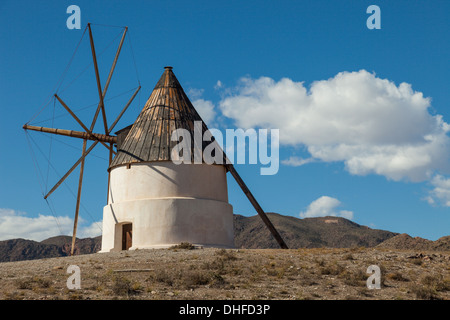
x: 167, y: 109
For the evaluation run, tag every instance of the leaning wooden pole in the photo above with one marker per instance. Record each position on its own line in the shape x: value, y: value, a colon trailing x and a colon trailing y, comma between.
x: 228, y: 164
x: 77, y: 208
x: 256, y: 205
x: 109, y: 174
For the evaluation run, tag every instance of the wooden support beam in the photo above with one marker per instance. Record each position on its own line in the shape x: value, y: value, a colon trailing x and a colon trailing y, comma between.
x: 227, y: 163
x: 256, y: 205
x: 109, y: 175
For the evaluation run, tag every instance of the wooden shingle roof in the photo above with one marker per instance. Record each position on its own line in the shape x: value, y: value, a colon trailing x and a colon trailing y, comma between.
x: 167, y: 109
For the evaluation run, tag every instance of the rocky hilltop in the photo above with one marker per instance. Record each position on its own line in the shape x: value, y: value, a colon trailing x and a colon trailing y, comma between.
x: 406, y: 242
x: 22, y: 249
x: 331, y: 232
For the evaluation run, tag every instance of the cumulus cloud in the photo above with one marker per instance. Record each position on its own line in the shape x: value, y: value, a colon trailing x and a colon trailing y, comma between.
x: 325, y: 206
x: 440, y: 194
x: 89, y: 231
x: 15, y: 224
x: 370, y: 124
x: 205, y: 109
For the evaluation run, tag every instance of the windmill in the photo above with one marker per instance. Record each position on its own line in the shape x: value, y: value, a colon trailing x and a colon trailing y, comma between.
x: 151, y: 201
x: 105, y: 138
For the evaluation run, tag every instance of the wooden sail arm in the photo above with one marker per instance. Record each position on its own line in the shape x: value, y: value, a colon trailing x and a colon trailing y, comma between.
x: 89, y: 131
x: 97, y: 77
x: 75, y: 134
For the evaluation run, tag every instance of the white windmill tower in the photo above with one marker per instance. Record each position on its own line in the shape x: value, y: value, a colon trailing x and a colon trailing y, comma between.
x: 154, y: 202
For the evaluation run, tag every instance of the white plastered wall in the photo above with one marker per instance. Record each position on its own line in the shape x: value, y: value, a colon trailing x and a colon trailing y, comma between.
x: 168, y: 204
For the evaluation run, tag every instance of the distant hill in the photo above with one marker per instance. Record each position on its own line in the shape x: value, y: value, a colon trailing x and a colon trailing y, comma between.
x: 406, y: 242
x: 335, y: 232
x: 82, y: 246
x: 21, y: 249
x: 250, y: 233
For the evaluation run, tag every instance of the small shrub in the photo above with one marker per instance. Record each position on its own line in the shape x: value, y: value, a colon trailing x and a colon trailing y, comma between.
x: 416, y: 261
x: 357, y: 278
x: 194, y: 279
x: 334, y: 269
x: 431, y: 280
x: 164, y: 277
x: 349, y: 257
x: 43, y: 283
x: 396, y: 276
x: 320, y: 262
x: 183, y: 245
x: 35, y: 282
x: 75, y: 296
x: 217, y: 281
x: 226, y: 255
x: 124, y: 287
x: 424, y: 292
x: 24, y: 284
x: 436, y: 282
x: 13, y: 295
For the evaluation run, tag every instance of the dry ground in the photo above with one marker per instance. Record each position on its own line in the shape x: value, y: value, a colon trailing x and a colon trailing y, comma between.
x: 263, y: 274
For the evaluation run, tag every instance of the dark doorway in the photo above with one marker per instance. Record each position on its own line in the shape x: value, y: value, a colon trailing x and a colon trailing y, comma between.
x: 127, y: 235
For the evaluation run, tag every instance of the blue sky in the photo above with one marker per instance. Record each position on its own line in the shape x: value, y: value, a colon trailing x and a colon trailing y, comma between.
x: 354, y: 141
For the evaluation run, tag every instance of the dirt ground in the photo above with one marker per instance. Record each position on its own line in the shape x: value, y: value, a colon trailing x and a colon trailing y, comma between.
x: 232, y: 274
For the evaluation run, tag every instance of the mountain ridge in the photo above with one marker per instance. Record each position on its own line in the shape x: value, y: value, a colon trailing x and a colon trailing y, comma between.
x: 330, y: 231
x: 250, y: 233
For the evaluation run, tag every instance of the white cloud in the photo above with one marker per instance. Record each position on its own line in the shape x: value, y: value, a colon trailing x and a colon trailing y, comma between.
x: 369, y: 123
x: 296, y: 161
x: 441, y: 191
x: 90, y: 231
x: 195, y: 93
x: 205, y: 109
x: 218, y: 85
x: 325, y: 206
x: 14, y: 224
